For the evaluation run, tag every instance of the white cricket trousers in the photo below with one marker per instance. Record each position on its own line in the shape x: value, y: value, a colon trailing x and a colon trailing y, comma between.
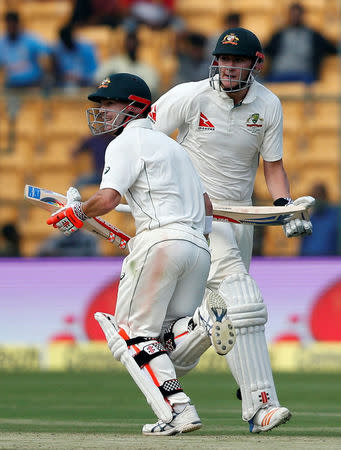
x: 162, y: 279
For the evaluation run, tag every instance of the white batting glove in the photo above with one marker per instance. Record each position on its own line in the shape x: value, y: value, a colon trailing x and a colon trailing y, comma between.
x: 73, y: 195
x: 71, y: 217
x: 300, y: 227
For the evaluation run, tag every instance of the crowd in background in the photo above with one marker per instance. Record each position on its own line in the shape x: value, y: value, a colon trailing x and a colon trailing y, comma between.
x: 294, y: 53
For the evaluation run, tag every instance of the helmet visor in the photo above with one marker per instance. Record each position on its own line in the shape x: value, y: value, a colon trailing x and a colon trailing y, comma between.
x: 231, y: 78
x: 106, y: 120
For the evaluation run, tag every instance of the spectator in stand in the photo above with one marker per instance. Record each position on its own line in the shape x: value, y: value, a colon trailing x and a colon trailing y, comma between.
x: 193, y: 60
x: 75, y: 61
x: 296, y: 52
x: 79, y: 244
x: 9, y: 241
x: 129, y: 63
x: 156, y: 14
x: 20, y: 55
x: 326, y: 222
x: 97, y: 12
x: 96, y: 146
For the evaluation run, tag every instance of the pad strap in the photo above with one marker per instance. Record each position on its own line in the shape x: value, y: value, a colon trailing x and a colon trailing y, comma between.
x: 138, y: 340
x: 149, y: 352
x: 170, y: 387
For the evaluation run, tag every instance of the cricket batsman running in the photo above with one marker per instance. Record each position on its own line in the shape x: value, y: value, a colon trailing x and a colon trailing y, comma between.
x: 164, y: 276
x: 226, y: 123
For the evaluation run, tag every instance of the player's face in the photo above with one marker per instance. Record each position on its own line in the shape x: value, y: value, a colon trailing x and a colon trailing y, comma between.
x: 233, y: 69
x: 110, y: 112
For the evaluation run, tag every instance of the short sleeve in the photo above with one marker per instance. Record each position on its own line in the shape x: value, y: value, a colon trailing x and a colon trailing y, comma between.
x: 123, y: 163
x: 272, y: 146
x: 169, y: 112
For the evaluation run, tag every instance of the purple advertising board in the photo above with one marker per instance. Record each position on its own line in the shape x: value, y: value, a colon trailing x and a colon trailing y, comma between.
x: 46, y: 299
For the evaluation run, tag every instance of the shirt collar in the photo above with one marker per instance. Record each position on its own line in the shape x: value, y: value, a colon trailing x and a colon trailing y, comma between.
x: 249, y: 98
x: 140, y: 123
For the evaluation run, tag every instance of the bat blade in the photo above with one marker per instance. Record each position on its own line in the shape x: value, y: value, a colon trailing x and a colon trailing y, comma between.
x: 52, y: 201
x: 260, y: 215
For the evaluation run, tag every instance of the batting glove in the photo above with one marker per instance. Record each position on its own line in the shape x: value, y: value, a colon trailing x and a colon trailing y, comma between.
x: 70, y: 218
x: 297, y: 227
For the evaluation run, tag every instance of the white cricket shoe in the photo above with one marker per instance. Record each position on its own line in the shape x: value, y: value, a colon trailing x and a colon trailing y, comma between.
x: 184, y: 422
x: 268, y: 418
x: 223, y: 335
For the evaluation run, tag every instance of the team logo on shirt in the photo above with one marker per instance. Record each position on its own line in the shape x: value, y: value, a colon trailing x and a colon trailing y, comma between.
x: 105, y: 83
x: 204, y: 123
x: 230, y: 38
x: 152, y: 114
x: 254, y: 121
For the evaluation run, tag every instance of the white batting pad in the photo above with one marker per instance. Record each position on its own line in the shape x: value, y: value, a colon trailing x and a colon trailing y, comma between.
x: 189, y: 346
x: 119, y: 349
x: 249, y: 359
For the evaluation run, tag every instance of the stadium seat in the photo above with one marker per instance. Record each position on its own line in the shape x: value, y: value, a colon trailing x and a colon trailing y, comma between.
x: 58, y: 181
x: 66, y: 116
x: 322, y: 148
x: 11, y: 184
x: 45, y: 17
x: 9, y: 212
x: 306, y: 176
x: 101, y: 37
x: 330, y: 70
x: 326, y: 88
x: 187, y: 8
x: 259, y: 23
x: 293, y: 114
x: 18, y: 156
x: 323, y: 115
x: 29, y: 117
x: 288, y: 90
x: 277, y: 244
x: 56, y: 153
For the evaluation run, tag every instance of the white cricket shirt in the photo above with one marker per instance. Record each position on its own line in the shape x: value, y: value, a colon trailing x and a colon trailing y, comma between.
x: 156, y: 176
x: 224, y: 141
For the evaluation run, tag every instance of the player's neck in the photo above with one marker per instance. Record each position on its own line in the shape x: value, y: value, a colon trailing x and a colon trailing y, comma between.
x: 238, y: 96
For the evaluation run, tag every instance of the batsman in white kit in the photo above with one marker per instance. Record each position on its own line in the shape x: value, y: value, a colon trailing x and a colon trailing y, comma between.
x: 226, y: 123
x: 164, y: 276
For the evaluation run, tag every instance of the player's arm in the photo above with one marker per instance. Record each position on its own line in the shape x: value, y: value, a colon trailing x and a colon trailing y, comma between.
x: 278, y: 186
x: 276, y: 179
x: 102, y: 202
x: 72, y: 217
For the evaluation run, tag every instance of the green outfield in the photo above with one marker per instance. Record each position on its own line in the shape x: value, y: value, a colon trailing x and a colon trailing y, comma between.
x: 106, y: 410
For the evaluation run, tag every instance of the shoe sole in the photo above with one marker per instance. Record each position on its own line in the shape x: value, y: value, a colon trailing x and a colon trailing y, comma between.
x: 222, y: 334
x: 270, y: 427
x: 184, y: 429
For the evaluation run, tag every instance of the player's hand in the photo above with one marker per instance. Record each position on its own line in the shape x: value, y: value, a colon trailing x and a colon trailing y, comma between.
x: 71, y: 217
x: 300, y: 227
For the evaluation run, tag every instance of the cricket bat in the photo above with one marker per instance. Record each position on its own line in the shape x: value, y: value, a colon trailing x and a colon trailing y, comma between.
x: 254, y: 215
x: 52, y: 201
x: 261, y: 215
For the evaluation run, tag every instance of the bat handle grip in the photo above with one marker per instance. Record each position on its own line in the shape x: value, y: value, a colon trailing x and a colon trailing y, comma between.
x: 117, y: 240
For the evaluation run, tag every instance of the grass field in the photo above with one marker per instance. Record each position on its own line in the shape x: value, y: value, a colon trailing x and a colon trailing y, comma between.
x: 106, y: 410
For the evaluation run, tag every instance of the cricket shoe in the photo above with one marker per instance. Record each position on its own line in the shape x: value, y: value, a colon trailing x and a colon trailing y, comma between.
x: 184, y: 422
x: 268, y: 418
x: 222, y: 332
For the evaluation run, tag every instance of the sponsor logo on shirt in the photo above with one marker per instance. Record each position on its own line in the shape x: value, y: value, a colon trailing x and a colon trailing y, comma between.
x: 152, y: 114
x: 230, y: 38
x: 204, y: 123
x: 106, y: 170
